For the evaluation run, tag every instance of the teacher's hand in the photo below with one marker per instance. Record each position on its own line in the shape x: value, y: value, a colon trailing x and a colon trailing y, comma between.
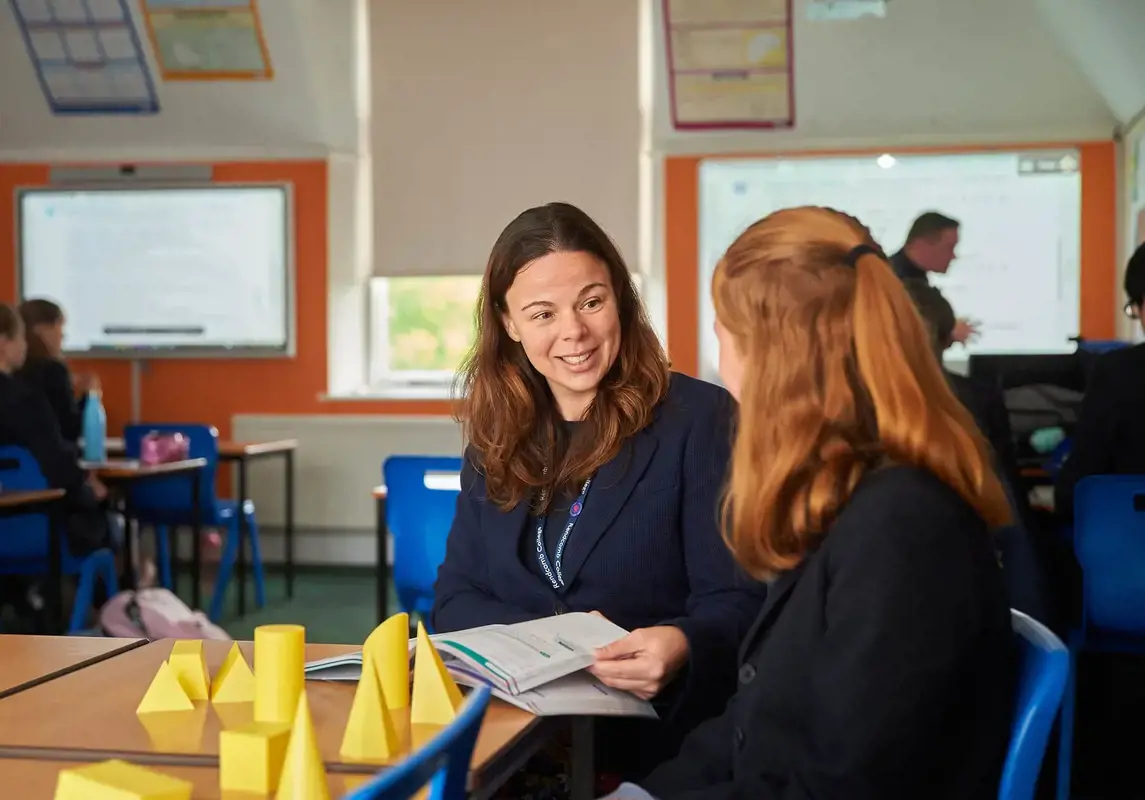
x: 644, y: 661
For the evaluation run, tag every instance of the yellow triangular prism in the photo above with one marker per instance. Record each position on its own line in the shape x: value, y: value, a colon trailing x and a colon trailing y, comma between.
x: 119, y: 779
x: 234, y: 682
x: 436, y: 697
x: 303, y: 773
x: 165, y: 693
x: 370, y: 734
x: 191, y: 668
x: 388, y: 645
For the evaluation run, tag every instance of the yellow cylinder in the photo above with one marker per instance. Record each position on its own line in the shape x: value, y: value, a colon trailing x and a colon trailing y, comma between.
x: 279, y: 671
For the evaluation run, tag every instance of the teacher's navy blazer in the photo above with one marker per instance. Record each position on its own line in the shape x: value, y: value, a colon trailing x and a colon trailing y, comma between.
x: 646, y: 549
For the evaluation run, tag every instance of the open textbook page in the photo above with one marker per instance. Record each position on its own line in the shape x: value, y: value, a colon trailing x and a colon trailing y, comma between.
x: 536, y: 665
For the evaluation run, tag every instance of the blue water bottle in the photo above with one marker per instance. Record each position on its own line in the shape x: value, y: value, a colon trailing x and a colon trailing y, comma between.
x: 94, y: 429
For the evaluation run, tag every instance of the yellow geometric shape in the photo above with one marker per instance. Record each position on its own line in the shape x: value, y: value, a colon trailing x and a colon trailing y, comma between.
x: 436, y: 697
x: 234, y: 682
x: 388, y: 646
x: 250, y: 758
x: 190, y: 668
x: 118, y: 780
x: 175, y: 731
x: 165, y: 693
x: 279, y: 671
x: 370, y: 734
x: 303, y: 773
x: 233, y: 715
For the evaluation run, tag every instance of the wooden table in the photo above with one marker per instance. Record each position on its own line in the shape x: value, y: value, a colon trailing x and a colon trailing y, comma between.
x: 27, y: 661
x: 37, y: 779
x: 243, y: 453
x: 18, y: 502
x: 119, y: 474
x: 89, y: 715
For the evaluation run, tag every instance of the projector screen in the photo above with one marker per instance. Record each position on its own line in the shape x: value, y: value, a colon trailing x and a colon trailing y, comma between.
x: 154, y: 272
x: 1018, y: 267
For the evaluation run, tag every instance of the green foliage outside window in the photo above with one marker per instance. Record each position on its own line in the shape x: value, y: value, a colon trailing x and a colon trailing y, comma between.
x: 431, y: 321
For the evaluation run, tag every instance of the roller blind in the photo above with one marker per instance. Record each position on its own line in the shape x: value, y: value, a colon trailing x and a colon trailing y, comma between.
x: 483, y: 108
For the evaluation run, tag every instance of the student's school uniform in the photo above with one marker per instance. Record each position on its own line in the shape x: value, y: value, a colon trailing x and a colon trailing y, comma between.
x: 644, y: 550
x: 1110, y: 435
x: 53, y: 378
x: 883, y: 666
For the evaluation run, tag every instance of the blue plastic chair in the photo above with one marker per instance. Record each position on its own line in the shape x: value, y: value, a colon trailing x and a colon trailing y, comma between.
x: 444, y: 760
x: 1043, y: 670
x: 24, y: 543
x: 1109, y: 542
x: 164, y: 503
x: 421, y: 497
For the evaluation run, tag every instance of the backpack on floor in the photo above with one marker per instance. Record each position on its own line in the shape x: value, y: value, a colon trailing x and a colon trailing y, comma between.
x: 156, y: 614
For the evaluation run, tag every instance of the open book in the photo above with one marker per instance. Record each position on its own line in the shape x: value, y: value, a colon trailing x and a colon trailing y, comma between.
x: 537, y: 665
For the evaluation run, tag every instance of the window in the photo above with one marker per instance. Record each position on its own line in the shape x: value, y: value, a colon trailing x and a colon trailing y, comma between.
x: 421, y: 328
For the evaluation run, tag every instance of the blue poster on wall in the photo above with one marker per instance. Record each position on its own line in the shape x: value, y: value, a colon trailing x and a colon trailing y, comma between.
x: 87, y: 56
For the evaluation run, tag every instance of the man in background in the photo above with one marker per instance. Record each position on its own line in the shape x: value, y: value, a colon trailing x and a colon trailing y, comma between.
x: 931, y: 246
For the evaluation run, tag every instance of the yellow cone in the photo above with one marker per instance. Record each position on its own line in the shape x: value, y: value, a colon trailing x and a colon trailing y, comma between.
x: 436, y: 697
x: 388, y: 646
x: 303, y: 773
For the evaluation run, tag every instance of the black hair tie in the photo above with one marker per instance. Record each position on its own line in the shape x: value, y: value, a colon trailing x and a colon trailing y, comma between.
x: 861, y: 250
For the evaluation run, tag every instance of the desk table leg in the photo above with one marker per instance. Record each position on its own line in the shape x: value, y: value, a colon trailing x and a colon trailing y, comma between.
x: 57, y: 522
x: 129, y: 530
x: 582, y: 780
x: 240, y: 567
x: 196, y: 542
x: 383, y: 569
x: 288, y: 532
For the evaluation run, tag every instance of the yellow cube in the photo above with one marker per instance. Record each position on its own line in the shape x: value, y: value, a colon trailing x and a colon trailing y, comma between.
x: 250, y: 757
x: 119, y: 780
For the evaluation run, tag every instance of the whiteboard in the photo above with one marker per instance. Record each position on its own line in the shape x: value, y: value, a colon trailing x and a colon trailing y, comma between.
x: 1018, y: 269
x: 158, y: 271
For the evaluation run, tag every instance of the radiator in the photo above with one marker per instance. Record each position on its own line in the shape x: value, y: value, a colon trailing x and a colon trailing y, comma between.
x: 338, y: 462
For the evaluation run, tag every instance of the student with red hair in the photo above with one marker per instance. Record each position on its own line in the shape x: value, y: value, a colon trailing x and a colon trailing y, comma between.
x: 882, y: 663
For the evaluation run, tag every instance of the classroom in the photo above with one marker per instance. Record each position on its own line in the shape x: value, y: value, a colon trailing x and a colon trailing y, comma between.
x: 266, y: 232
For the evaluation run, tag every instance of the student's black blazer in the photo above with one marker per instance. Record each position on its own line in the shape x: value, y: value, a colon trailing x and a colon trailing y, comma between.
x: 51, y: 376
x: 1110, y: 435
x: 646, y: 549
x: 26, y: 420
x: 882, y: 667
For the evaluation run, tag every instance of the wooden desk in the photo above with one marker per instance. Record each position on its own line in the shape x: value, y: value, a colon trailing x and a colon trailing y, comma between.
x: 118, y: 474
x: 89, y: 715
x: 15, y: 502
x: 27, y: 661
x: 37, y: 779
x: 243, y: 453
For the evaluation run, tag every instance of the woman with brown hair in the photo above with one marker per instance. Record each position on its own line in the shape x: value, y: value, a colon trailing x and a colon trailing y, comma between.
x: 46, y: 370
x: 882, y: 664
x: 592, y: 473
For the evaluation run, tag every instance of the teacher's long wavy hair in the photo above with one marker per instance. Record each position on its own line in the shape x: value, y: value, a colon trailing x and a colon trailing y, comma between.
x: 840, y: 378
x: 508, y: 415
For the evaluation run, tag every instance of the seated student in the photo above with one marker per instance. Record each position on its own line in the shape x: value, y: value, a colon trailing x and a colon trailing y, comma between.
x: 46, y: 370
x: 882, y: 664
x: 26, y: 420
x: 1110, y: 435
x: 592, y: 477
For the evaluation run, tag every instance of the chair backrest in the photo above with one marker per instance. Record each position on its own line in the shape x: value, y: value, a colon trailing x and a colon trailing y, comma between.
x: 171, y: 497
x: 421, y: 498
x: 24, y: 537
x: 1042, y: 671
x: 444, y: 760
x: 1109, y: 540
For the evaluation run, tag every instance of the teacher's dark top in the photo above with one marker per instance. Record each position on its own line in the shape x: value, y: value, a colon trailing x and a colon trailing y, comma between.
x: 646, y: 549
x: 883, y: 666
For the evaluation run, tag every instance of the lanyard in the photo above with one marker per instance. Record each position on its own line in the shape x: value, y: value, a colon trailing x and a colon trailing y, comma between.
x: 553, y: 571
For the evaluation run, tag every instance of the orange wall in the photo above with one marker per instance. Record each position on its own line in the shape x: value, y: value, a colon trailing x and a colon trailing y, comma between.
x: 213, y: 390
x: 1098, y: 241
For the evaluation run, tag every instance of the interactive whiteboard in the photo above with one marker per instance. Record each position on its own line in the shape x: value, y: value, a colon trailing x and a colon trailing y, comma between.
x: 153, y: 272
x: 1018, y: 266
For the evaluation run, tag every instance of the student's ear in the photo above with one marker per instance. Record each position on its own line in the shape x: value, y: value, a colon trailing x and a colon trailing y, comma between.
x: 510, y: 328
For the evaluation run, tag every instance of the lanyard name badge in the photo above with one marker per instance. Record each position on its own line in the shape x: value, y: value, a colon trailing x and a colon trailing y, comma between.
x: 553, y: 571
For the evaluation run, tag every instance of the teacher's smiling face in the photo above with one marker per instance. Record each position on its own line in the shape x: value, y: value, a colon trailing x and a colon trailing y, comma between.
x: 562, y: 310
